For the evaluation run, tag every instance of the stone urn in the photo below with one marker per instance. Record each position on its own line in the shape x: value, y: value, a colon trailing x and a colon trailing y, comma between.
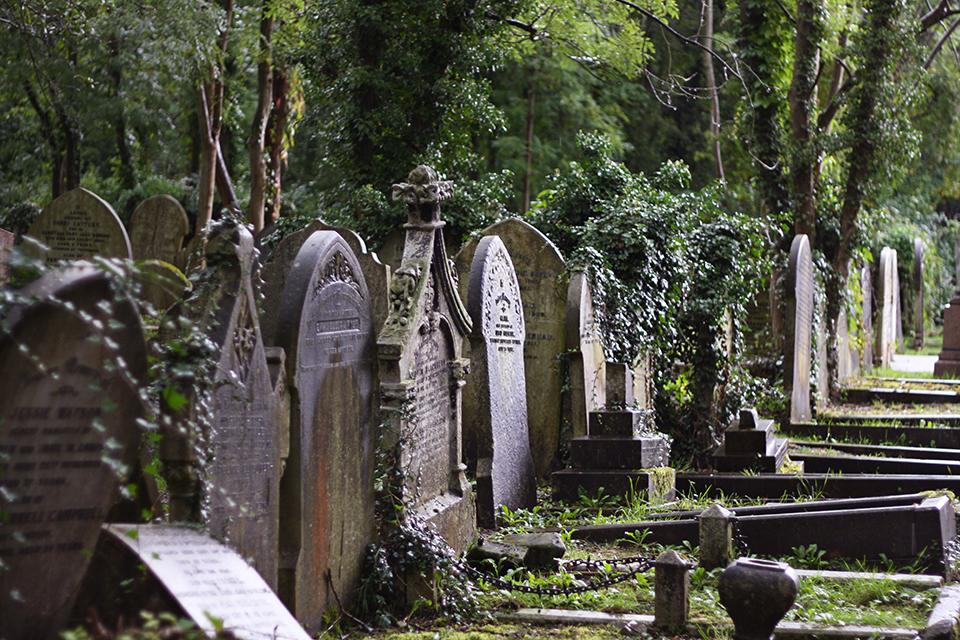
x: 757, y: 594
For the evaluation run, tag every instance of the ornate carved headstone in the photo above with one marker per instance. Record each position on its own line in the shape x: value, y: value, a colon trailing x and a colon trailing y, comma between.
x: 889, y: 299
x: 495, y: 399
x: 157, y: 229
x: 274, y: 275
x: 242, y: 450
x: 421, y: 368
x: 917, y: 293
x: 210, y: 581
x: 587, y: 364
x: 68, y: 436
x: 327, y: 518
x: 799, y: 328
x: 540, y: 274
x: 78, y: 225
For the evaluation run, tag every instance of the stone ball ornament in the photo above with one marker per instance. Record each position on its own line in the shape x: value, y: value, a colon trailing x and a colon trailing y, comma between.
x: 757, y: 594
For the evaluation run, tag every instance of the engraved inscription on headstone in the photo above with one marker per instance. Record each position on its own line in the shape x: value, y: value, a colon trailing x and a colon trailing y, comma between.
x: 210, y: 581
x: 327, y: 519
x: 540, y: 274
x: 78, y: 225
x: 157, y: 229
x: 68, y: 436
x: 495, y: 398
x: 587, y: 364
x: 799, y: 328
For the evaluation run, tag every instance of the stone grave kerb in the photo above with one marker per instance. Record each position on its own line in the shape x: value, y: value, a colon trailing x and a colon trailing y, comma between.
x: 420, y: 345
x: 328, y: 518
x: 799, y: 328
x: 496, y: 432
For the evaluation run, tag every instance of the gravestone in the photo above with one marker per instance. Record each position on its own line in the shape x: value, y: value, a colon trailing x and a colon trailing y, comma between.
x: 241, y: 449
x: 495, y: 430
x: 391, y: 251
x: 917, y: 293
x: 327, y: 519
x: 799, y: 327
x: 866, y: 286
x: 540, y: 275
x: 889, y: 307
x: 211, y: 582
x: 948, y: 364
x: 78, y: 225
x: 157, y: 229
x: 68, y: 437
x: 161, y: 284
x: 587, y: 365
x: 6, y: 245
x: 274, y: 275
x: 422, y: 370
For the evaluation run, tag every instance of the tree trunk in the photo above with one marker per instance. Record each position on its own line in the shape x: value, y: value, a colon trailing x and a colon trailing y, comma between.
x: 128, y: 174
x: 276, y: 125
x: 711, y: 79
x: 257, y: 144
x: 531, y: 119
x: 803, y: 96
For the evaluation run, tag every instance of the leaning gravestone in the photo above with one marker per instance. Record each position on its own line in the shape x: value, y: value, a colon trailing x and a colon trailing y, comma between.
x: 917, y: 293
x: 495, y: 403
x: 799, y: 328
x: 421, y: 368
x: 240, y: 454
x: 587, y: 364
x: 157, y: 229
x: 540, y: 275
x: 273, y: 276
x: 72, y: 361
x: 889, y: 307
x: 78, y: 225
x: 211, y: 582
x: 328, y: 517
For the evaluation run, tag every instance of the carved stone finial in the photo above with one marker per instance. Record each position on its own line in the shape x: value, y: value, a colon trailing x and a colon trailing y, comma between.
x: 424, y: 187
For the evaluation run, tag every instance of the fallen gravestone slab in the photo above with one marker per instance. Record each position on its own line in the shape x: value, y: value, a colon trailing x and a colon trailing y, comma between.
x: 71, y: 361
x: 210, y: 581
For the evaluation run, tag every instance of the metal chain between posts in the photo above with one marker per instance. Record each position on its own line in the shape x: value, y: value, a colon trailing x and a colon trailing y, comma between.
x: 644, y: 563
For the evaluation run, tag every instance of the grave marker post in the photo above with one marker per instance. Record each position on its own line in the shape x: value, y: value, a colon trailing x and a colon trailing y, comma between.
x: 799, y: 328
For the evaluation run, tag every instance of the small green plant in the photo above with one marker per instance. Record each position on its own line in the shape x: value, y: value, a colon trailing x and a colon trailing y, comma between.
x: 807, y: 557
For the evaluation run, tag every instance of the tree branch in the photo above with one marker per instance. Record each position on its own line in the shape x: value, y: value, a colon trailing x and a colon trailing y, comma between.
x: 943, y: 39
x: 938, y: 14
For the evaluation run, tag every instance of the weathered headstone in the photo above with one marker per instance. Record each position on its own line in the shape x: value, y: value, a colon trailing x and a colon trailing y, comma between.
x: 889, y: 299
x: 157, y: 229
x: 68, y: 436
x: 540, y: 275
x: 391, y: 251
x: 78, y: 225
x: 6, y: 244
x: 421, y: 368
x: 948, y: 364
x: 274, y: 275
x: 327, y: 519
x: 587, y: 364
x: 495, y: 431
x: 240, y: 455
x: 211, y: 582
x: 866, y: 286
x: 799, y: 328
x: 917, y: 293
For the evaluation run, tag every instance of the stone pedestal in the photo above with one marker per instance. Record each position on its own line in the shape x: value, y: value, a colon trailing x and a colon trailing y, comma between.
x: 618, y: 454
x: 750, y: 444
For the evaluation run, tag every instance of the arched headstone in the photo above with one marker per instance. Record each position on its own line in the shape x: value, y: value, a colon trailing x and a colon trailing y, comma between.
x: 157, y: 229
x: 799, y: 328
x: 889, y: 299
x: 587, y: 363
x: 78, y: 225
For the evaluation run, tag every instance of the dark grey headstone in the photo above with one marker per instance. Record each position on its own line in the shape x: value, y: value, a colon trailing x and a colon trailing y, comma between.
x: 327, y: 519
x: 68, y: 435
x: 211, y: 582
x: 78, y: 225
x: 917, y: 293
x: 587, y: 364
x: 240, y: 455
x: 540, y: 275
x: 157, y: 229
x: 799, y: 328
x: 495, y: 402
x: 421, y: 368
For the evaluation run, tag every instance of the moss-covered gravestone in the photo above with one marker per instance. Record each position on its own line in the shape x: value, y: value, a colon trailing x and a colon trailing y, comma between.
x: 157, y: 229
x: 327, y: 518
x: 72, y: 360
x: 422, y: 371
x: 78, y: 225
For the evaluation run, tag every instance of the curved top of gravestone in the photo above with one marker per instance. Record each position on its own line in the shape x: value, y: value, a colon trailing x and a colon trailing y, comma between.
x: 80, y: 224
x: 493, y: 271
x: 157, y: 228
x: 525, y: 243
x: 800, y: 263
